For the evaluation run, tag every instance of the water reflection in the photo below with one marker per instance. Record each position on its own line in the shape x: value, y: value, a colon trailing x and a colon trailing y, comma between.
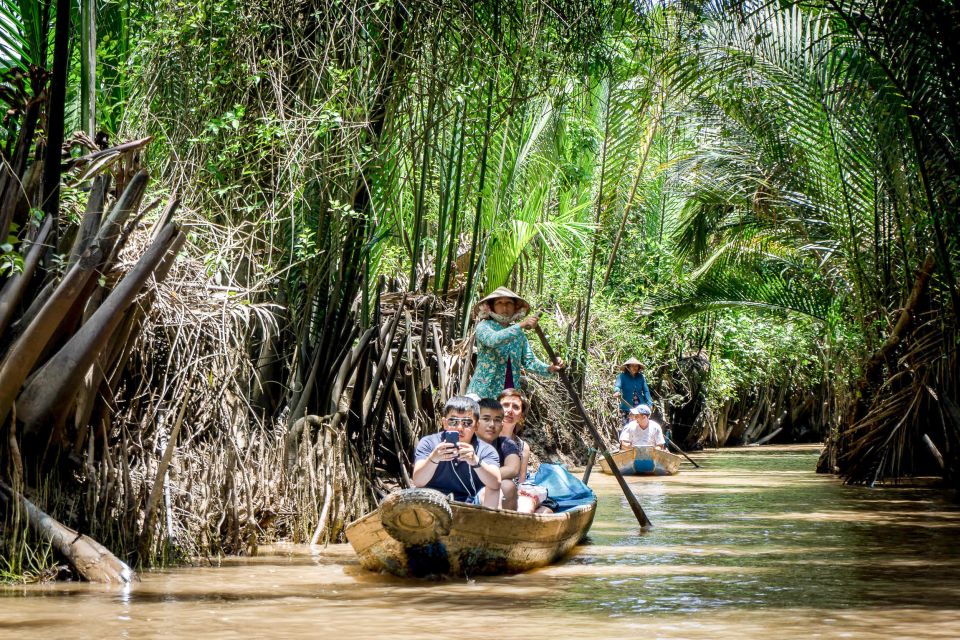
x: 752, y: 545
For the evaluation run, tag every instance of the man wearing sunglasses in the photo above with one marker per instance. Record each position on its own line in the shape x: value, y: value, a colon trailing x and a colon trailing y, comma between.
x: 460, y: 469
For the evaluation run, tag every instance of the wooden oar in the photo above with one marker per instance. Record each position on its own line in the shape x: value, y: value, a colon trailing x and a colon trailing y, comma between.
x: 683, y: 453
x: 591, y: 459
x: 601, y: 445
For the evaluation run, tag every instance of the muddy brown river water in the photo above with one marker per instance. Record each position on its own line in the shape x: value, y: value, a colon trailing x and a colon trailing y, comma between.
x: 753, y: 545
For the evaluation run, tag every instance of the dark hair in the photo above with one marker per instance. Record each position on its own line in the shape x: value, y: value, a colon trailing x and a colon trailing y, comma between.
x: 490, y: 403
x: 462, y: 404
x: 516, y: 393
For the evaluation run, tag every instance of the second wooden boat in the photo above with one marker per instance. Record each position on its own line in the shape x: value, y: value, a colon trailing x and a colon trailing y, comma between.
x: 419, y: 533
x: 643, y: 461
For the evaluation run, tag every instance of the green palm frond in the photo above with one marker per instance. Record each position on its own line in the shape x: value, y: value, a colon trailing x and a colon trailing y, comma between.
x: 559, y: 231
x: 788, y: 150
x: 770, y: 285
x: 22, y: 33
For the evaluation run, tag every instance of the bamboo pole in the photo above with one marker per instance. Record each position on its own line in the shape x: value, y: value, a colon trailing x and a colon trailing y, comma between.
x: 682, y: 452
x: 601, y: 445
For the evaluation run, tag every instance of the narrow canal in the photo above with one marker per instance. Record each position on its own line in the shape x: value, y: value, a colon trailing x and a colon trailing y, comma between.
x: 753, y: 545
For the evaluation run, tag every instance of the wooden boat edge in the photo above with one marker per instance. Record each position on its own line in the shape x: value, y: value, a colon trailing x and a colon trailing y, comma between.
x: 624, y: 458
x: 534, y: 540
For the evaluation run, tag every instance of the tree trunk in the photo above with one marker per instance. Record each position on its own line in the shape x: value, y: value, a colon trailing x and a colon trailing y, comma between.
x: 88, y: 66
x: 49, y: 394
x: 56, y: 112
x: 25, y: 352
x: 89, y: 558
x: 13, y: 291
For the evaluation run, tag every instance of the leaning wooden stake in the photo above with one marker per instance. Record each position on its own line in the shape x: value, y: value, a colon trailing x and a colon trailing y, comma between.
x: 591, y: 460
x: 601, y: 445
x: 92, y: 560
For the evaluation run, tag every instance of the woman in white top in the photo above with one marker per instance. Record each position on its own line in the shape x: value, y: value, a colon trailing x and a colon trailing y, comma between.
x: 641, y: 431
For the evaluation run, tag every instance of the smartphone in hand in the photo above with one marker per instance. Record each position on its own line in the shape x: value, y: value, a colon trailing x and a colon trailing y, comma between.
x: 453, y: 437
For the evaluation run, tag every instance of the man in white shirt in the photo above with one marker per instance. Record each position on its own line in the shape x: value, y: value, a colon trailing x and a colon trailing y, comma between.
x: 641, y: 431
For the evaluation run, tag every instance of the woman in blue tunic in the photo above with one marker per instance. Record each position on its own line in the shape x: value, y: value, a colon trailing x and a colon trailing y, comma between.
x: 503, y: 350
x: 632, y: 389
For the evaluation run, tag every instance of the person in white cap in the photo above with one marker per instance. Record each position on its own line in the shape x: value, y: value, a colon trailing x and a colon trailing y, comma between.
x: 502, y: 347
x: 641, y: 431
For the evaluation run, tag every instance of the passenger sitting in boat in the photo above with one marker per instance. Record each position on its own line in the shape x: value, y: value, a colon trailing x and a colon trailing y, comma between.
x: 641, y: 431
x: 491, y: 424
x: 461, y: 469
x: 530, y: 498
x: 515, y: 407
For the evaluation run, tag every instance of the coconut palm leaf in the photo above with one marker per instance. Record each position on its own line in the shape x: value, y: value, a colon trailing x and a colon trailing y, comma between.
x: 770, y: 285
x: 22, y: 33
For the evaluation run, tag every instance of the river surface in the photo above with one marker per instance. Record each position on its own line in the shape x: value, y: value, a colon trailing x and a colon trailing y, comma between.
x: 752, y: 545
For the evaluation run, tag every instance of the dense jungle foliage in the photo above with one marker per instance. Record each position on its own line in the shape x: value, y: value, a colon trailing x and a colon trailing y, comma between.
x: 758, y: 200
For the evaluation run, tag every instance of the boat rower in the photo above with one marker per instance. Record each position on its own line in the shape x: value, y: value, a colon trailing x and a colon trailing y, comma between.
x: 641, y: 431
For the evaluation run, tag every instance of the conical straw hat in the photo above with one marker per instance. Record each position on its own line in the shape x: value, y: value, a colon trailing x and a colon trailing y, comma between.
x: 503, y: 292
x: 632, y: 361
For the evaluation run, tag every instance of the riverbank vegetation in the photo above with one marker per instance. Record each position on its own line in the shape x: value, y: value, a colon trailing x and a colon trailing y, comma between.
x: 757, y: 200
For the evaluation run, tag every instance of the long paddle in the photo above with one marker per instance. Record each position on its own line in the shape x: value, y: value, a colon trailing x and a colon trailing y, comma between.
x: 601, y: 445
x: 683, y: 453
x: 591, y: 459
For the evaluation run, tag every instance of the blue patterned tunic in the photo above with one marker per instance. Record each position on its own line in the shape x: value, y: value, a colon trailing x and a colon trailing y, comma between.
x: 495, y: 344
x: 633, y: 390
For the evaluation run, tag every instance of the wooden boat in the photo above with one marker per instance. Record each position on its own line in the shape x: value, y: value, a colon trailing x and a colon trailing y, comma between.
x: 429, y: 536
x: 643, y: 461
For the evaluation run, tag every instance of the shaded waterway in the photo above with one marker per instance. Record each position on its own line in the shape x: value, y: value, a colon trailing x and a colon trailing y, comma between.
x: 754, y: 544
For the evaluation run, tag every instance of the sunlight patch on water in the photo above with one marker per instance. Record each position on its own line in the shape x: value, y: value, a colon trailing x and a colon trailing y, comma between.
x: 628, y: 571
x: 928, y: 519
x: 613, y: 552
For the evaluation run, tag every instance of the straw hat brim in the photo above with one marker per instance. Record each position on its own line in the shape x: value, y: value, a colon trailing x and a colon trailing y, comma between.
x: 503, y: 292
x: 632, y: 361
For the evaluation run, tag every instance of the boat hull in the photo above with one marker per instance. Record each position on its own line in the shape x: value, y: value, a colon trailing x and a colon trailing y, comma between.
x: 481, y: 541
x: 641, y: 461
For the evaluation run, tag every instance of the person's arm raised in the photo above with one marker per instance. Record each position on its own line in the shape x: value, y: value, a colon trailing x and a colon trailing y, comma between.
x: 488, y: 472
x: 425, y: 468
x: 489, y: 335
